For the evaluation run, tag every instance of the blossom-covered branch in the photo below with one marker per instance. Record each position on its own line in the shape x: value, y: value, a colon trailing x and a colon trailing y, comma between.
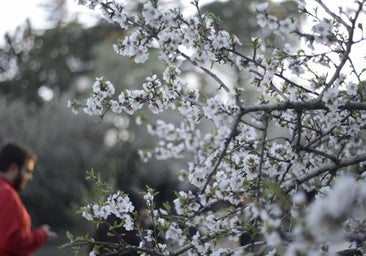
x: 279, y: 166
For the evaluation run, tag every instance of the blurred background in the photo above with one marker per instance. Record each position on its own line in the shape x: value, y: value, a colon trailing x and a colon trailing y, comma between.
x: 51, y: 53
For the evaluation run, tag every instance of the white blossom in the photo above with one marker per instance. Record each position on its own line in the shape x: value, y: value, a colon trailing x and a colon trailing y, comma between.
x: 262, y: 20
x: 286, y: 26
x: 352, y: 88
x: 323, y: 28
x: 272, y: 22
x: 262, y: 7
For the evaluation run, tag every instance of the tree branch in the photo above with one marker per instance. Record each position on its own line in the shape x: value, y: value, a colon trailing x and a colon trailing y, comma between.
x: 210, y: 73
x: 263, y: 146
x: 223, y: 152
x: 332, y: 167
x: 302, y: 106
x: 339, y: 19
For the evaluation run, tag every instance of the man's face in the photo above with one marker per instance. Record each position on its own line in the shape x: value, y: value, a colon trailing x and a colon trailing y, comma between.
x: 25, y: 174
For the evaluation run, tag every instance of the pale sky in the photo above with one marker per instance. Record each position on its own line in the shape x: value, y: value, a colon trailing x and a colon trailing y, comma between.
x: 14, y: 13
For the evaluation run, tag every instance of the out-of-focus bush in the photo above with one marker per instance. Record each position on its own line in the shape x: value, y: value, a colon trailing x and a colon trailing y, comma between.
x: 66, y: 148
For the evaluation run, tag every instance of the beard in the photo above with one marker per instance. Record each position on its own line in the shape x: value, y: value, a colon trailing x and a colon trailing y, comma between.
x: 18, y: 182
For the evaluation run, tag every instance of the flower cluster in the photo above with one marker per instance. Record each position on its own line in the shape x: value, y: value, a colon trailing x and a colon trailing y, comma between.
x: 102, y: 91
x: 117, y: 204
x: 335, y: 217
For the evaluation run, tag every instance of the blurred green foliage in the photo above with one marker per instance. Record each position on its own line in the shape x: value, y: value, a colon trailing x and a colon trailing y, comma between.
x: 66, y: 147
x: 53, y: 60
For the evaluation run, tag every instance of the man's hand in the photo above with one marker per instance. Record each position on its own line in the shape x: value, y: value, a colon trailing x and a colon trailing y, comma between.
x: 49, y: 232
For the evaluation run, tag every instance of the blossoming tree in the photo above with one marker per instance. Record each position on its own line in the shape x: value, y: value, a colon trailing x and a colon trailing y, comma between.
x: 298, y: 191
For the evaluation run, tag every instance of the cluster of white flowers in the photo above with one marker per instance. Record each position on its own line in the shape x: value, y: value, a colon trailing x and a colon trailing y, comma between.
x: 331, y: 219
x: 149, y: 198
x: 265, y: 20
x: 167, y: 30
x: 186, y: 202
x: 323, y: 31
x: 174, y: 233
x: 158, y: 97
x: 117, y: 204
x: 330, y: 98
x: 247, y: 161
x: 102, y: 91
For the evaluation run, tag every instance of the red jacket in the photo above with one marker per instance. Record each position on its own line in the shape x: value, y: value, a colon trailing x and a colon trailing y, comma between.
x: 16, y: 236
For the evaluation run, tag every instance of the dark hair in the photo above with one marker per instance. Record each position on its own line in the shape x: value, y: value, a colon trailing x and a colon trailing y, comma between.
x: 14, y: 153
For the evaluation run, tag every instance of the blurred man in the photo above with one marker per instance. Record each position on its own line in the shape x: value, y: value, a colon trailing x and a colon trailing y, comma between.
x: 16, y: 236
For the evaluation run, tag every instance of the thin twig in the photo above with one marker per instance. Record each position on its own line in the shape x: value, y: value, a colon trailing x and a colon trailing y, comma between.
x: 321, y: 170
x: 210, y: 73
x: 263, y: 147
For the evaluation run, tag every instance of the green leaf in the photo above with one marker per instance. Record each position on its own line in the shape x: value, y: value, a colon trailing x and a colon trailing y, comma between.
x: 69, y: 236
